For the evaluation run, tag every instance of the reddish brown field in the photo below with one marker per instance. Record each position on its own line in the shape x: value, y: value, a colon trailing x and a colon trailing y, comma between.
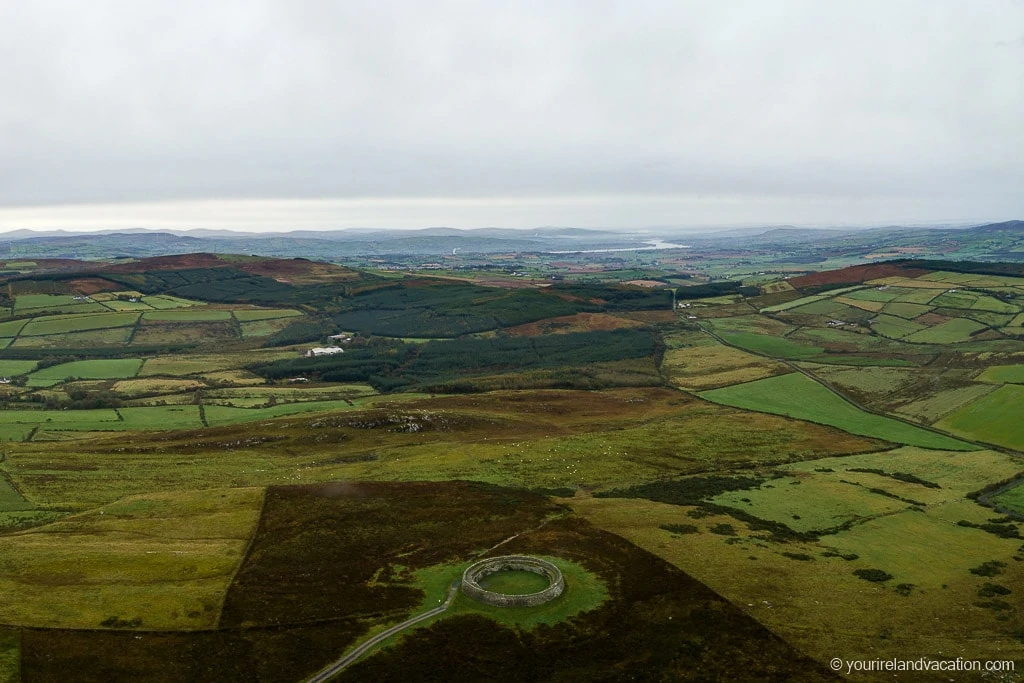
x: 92, y: 285
x: 855, y: 274
x: 581, y: 322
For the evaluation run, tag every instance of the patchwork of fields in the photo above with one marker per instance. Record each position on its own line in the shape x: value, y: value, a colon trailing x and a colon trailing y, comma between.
x: 824, y: 459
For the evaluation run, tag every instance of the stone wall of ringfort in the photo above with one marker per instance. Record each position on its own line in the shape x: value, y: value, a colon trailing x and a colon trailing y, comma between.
x: 472, y: 576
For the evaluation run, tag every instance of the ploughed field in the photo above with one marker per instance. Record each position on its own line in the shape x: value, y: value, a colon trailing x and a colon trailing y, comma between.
x: 762, y: 478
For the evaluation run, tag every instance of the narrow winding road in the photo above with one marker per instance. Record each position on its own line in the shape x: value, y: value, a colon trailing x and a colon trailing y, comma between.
x: 332, y: 670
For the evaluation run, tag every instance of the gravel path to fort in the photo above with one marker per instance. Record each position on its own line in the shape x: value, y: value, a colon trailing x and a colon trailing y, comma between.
x: 332, y: 670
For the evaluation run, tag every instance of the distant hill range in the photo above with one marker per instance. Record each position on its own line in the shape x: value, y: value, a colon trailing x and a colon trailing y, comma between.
x: 995, y: 241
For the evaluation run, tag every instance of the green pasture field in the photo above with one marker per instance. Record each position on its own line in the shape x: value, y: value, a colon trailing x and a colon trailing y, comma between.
x: 160, y: 418
x: 117, y: 305
x: 827, y: 307
x: 13, y: 368
x: 815, y: 504
x: 796, y: 303
x: 957, y: 299
x: 1018, y: 321
x: 1003, y: 374
x: 757, y: 324
x: 1012, y: 499
x: 86, y: 369
x: 250, y: 315
x: 993, y: 418
x: 12, y: 328
x: 5, y: 342
x: 874, y: 294
x: 810, y: 299
x: 24, y: 302
x: 17, y: 425
x: 163, y: 558
x: 796, y: 396
x: 13, y: 431
x: 990, y: 319
x: 994, y: 305
x: 957, y: 473
x: 64, y: 324
x: 105, y: 297
x: 165, y: 301
x: 949, y: 332
x: 919, y: 297
x: 199, y: 315
x: 896, y: 328
x: 905, y: 310
x: 10, y: 499
x: 776, y: 347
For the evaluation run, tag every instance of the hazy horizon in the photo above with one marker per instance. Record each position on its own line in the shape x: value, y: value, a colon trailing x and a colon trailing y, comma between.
x: 312, y: 115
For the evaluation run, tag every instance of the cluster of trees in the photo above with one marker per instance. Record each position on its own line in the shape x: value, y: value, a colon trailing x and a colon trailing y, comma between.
x: 389, y: 365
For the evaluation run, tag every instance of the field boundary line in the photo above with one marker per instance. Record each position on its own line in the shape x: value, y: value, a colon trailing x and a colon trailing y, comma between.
x: 242, y: 560
x: 135, y: 328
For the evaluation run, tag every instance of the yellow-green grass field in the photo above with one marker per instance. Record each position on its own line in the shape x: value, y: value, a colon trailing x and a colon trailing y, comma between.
x: 876, y: 382
x: 13, y: 368
x: 217, y: 415
x: 195, y: 364
x: 164, y: 559
x: 711, y: 365
x: 827, y: 493
x: 166, y: 301
x: 863, y: 304
x: 120, y: 306
x: 263, y: 328
x: 198, y: 315
x: 934, y: 406
x: 291, y: 392
x: 250, y: 315
x: 810, y: 595
x: 949, y: 332
x: 138, y: 387
x: 64, y: 324
x: 118, y: 368
x: 1003, y: 374
x: 508, y: 438
x: 76, y: 340
x: 895, y: 327
x: 11, y: 328
x: 797, y: 396
x: 993, y: 418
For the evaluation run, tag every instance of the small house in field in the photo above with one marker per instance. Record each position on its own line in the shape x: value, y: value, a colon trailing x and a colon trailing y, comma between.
x: 340, y: 337
x: 323, y: 351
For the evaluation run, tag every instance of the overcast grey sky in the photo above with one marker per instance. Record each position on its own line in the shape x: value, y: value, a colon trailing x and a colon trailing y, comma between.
x: 308, y: 114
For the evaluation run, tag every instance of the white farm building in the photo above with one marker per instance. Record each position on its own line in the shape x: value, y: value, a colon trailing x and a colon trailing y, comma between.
x: 324, y: 351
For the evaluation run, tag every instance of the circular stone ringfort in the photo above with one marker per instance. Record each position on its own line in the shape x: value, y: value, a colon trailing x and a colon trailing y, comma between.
x: 475, y: 572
